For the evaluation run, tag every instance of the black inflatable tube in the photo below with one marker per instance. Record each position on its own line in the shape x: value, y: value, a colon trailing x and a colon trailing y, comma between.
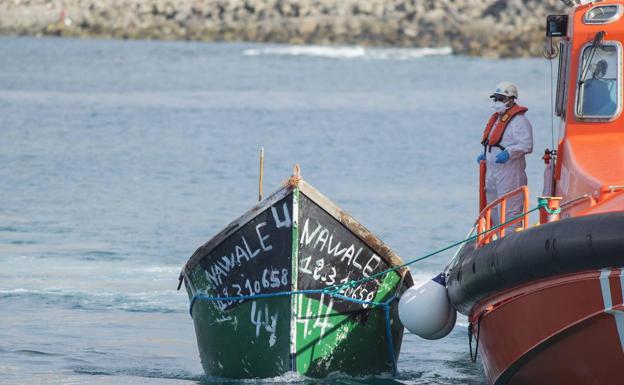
x: 566, y: 246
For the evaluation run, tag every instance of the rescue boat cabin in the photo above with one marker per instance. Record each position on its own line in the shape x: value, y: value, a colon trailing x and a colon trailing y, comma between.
x: 589, y: 166
x: 585, y: 174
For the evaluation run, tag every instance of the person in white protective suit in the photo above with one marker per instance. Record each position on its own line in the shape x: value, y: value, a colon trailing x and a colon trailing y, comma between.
x: 507, y: 138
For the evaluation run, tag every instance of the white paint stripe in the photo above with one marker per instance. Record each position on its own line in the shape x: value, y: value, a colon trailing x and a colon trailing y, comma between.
x: 606, y: 289
x: 622, y: 283
x: 619, y: 321
x: 606, y: 297
x: 619, y: 317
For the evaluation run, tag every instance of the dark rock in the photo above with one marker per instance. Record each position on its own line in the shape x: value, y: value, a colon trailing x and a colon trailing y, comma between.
x: 493, y: 28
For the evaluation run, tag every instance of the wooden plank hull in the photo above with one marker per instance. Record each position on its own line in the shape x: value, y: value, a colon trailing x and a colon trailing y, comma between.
x: 295, y: 240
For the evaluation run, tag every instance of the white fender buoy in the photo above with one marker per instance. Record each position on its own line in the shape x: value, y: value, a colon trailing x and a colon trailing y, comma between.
x: 426, y: 310
x: 450, y: 324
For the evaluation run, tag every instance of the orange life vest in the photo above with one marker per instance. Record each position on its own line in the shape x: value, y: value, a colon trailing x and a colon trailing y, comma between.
x: 500, y: 125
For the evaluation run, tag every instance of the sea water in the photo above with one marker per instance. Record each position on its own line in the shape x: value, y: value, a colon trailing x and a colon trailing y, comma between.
x: 120, y: 158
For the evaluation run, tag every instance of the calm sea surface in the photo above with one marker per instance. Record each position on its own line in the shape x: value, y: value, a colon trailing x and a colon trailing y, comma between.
x: 119, y: 158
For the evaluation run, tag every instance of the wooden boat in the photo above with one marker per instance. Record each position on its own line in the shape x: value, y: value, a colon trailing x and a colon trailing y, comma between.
x: 545, y: 304
x: 294, y: 240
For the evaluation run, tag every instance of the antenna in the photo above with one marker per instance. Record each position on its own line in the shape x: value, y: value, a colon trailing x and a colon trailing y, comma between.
x: 572, y: 3
x: 261, y: 173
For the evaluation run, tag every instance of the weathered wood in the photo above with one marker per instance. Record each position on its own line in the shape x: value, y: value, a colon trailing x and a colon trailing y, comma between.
x: 370, y: 239
x: 204, y: 249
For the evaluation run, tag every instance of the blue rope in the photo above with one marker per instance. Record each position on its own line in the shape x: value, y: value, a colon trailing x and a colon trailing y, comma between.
x: 336, y: 289
x: 543, y: 203
x: 332, y: 293
x: 389, y: 339
x: 205, y: 297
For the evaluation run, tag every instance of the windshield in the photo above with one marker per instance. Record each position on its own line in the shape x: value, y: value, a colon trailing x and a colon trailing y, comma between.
x: 599, y: 86
x: 603, y: 14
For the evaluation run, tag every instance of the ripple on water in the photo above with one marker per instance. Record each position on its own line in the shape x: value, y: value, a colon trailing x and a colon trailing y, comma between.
x: 141, y: 302
x: 98, y: 255
x: 36, y: 353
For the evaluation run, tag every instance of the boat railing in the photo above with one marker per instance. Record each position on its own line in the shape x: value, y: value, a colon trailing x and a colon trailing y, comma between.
x: 484, y: 221
x: 592, y: 199
x: 585, y: 198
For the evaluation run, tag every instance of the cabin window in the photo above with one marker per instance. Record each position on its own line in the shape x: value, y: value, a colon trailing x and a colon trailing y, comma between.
x: 603, y: 14
x: 562, y: 75
x: 599, y: 82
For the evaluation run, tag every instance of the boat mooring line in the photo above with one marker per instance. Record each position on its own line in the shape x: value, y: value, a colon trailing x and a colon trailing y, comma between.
x: 473, y: 357
x: 335, y: 290
x: 254, y: 297
x: 389, y: 336
x: 541, y: 204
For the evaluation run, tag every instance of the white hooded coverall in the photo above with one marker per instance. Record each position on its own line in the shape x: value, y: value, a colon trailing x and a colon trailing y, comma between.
x: 502, y: 178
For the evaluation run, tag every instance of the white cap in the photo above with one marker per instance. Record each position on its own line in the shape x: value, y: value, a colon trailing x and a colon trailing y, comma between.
x: 506, y: 89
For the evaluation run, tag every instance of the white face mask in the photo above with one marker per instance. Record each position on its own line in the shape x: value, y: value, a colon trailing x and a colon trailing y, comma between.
x: 499, y: 107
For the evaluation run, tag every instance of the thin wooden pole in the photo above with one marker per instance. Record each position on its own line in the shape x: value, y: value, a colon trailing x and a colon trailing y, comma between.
x: 261, y: 173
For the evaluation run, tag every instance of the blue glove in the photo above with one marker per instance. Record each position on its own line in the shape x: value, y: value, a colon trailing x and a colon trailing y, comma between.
x: 480, y: 158
x: 502, y: 157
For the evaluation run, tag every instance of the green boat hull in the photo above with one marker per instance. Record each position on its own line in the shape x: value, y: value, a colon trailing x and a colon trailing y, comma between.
x: 295, y: 240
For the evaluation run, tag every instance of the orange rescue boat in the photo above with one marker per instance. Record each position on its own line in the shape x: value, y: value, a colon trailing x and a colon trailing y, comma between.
x: 545, y: 303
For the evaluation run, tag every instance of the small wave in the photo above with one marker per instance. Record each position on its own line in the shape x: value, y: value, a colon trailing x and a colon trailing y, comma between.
x: 138, y: 372
x: 92, y: 371
x: 336, y: 378
x: 23, y: 242
x: 288, y: 377
x: 145, y: 302
x: 173, y: 270
x: 97, y: 255
x: 349, y: 52
x: 35, y: 353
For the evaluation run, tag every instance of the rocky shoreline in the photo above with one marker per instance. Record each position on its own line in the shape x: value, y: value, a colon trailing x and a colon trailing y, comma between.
x: 490, y: 28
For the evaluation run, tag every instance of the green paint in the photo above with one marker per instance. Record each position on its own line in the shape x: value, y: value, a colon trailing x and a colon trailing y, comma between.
x: 355, y: 344
x: 240, y: 343
x: 269, y: 337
